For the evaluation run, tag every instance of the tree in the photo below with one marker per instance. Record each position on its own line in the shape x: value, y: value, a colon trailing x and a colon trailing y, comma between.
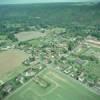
x: 71, y: 45
x: 12, y: 37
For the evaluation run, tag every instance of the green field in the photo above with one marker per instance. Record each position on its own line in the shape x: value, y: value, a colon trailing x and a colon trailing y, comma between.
x: 10, y: 61
x: 61, y: 88
x: 24, y: 36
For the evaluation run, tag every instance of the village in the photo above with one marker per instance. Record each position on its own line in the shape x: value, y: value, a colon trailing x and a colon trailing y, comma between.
x: 58, y: 54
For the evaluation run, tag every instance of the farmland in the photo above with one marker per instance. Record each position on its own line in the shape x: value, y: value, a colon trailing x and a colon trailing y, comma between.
x: 61, y: 87
x: 24, y: 36
x: 10, y: 60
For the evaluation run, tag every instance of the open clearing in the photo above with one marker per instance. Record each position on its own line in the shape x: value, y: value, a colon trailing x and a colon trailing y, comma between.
x: 61, y: 88
x: 24, y: 36
x: 10, y: 60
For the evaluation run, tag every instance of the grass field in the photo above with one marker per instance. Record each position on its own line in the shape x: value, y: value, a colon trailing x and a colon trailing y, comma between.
x: 61, y: 88
x: 24, y: 36
x: 10, y: 60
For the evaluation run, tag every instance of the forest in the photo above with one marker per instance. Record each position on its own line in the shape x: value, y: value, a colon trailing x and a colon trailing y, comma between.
x: 78, y: 19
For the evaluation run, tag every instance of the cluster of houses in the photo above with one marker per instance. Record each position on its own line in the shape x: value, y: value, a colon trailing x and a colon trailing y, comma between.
x: 58, y: 52
x: 79, y: 74
x: 72, y: 71
x: 16, y: 82
x: 29, y: 61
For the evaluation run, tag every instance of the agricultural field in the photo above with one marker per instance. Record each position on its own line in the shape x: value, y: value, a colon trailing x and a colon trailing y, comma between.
x: 59, y: 88
x: 10, y: 60
x: 24, y: 36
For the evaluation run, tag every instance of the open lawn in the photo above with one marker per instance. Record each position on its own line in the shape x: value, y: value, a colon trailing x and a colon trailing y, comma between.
x: 10, y: 60
x: 24, y: 36
x: 61, y: 88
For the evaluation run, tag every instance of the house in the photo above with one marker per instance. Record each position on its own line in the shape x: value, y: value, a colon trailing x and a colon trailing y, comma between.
x: 20, y: 79
x: 7, y: 88
x: 29, y: 72
x: 38, y: 68
x: 98, y: 84
x: 79, y: 61
x: 68, y: 70
x: 26, y: 62
x: 81, y: 78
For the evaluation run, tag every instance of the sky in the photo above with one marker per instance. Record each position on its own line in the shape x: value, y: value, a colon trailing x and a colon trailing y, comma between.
x: 39, y: 1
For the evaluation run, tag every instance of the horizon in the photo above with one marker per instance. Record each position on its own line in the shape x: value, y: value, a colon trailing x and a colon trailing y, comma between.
x: 5, y: 2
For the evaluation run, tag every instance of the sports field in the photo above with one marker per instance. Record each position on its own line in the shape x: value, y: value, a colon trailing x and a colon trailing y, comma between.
x: 10, y: 60
x: 24, y: 36
x: 61, y: 88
